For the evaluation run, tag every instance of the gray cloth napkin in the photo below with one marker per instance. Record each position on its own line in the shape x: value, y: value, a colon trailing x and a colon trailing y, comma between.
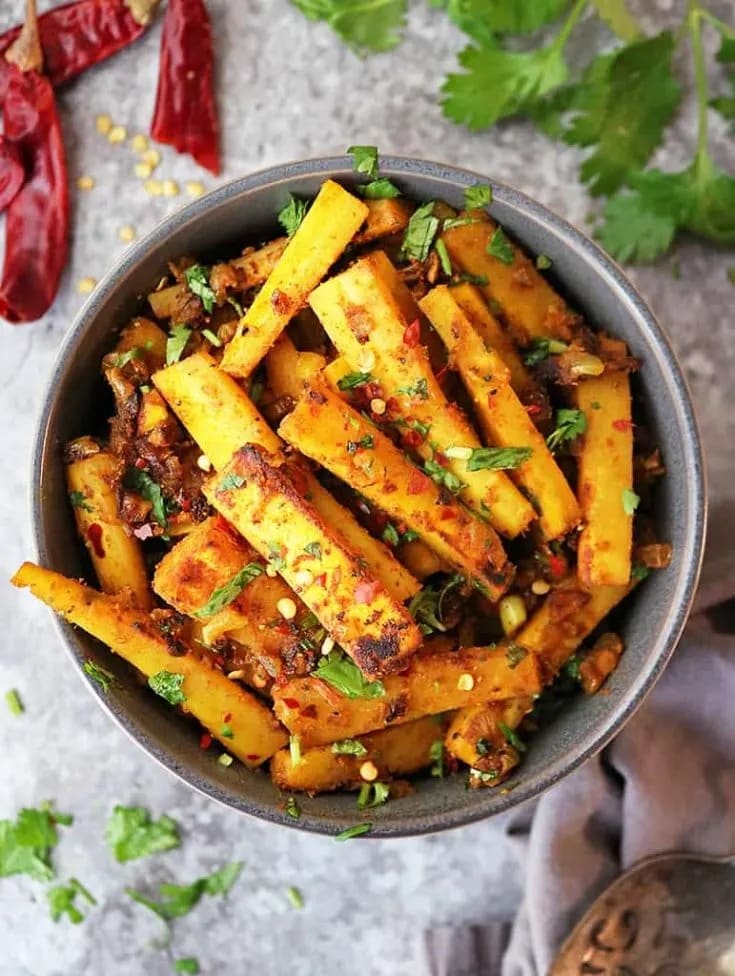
x: 667, y: 783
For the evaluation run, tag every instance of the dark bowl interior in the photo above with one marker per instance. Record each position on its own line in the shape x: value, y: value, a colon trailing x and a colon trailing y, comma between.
x: 244, y: 212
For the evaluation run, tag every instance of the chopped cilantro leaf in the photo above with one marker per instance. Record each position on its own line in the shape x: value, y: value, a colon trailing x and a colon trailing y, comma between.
x: 188, y: 965
x: 356, y: 831
x: 372, y: 795
x: 639, y: 572
x: 340, y: 672
x: 472, y: 279
x: 224, y: 595
x: 295, y: 897
x: 511, y: 737
x: 211, y: 337
x: 120, y: 359
x: 569, y: 424
x: 497, y: 458
x: 178, y: 900
x: 14, y: 703
x: 442, y: 476
x: 104, y: 678
x: 390, y: 535
x: 292, y: 809
x: 292, y: 215
x: 444, y: 259
x: 543, y: 348
x: 543, y: 262
x: 131, y: 833
x: 176, y: 343
x: 364, y: 160
x: 427, y: 605
x: 418, y: 389
x: 382, y: 189
x: 572, y: 667
x: 231, y: 481
x: 314, y: 549
x: 367, y: 443
x: 27, y: 842
x: 450, y: 222
x: 197, y: 279
x: 349, y: 747
x: 142, y: 483
x: 630, y: 501
x: 168, y: 686
x: 436, y: 754
x: 79, y: 500
x: 350, y: 380
x: 366, y: 26
x: 500, y: 247
x: 62, y: 898
x: 477, y: 196
x: 514, y: 654
x: 420, y: 233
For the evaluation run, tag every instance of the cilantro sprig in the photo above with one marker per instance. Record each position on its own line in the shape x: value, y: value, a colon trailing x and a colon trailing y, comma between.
x: 131, y: 833
x: 340, y: 672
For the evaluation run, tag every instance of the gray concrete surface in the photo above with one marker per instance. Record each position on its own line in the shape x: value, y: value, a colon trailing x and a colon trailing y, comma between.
x: 288, y: 90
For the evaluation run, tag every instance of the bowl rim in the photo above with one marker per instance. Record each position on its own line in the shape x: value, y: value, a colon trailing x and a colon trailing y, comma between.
x: 662, y: 647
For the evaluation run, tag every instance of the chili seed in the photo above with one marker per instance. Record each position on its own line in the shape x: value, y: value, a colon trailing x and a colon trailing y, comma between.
x: 287, y: 608
x: 270, y: 570
x: 126, y: 234
x: 170, y: 188
x: 203, y: 463
x: 327, y: 644
x: 152, y: 157
x: 117, y: 134
x: 377, y: 406
x: 369, y: 771
x: 139, y: 143
x: 85, y: 182
x: 236, y: 675
x: 103, y: 123
x: 142, y: 170
x: 366, y: 360
x: 540, y: 587
x: 153, y: 188
x: 466, y: 682
x: 86, y: 285
x: 194, y: 188
x: 303, y: 578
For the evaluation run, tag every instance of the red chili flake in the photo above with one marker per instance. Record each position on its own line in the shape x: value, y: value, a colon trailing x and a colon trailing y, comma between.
x: 447, y: 513
x: 412, y: 334
x: 557, y: 565
x: 373, y: 391
x: 366, y: 590
x: 624, y: 425
x: 320, y: 580
x: 309, y: 712
x: 440, y: 458
x: 252, y: 757
x: 417, y: 483
x: 206, y: 741
x: 185, y: 504
x: 228, y: 717
x: 94, y: 534
x: 412, y: 438
x: 218, y: 659
x: 290, y: 702
x: 533, y: 409
x: 140, y: 463
x: 442, y: 372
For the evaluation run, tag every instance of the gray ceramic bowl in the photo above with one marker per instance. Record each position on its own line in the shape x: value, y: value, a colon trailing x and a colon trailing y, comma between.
x: 244, y: 211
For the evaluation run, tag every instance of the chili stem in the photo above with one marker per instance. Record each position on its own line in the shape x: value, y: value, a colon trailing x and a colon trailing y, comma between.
x: 694, y: 20
x: 569, y: 24
x: 25, y: 51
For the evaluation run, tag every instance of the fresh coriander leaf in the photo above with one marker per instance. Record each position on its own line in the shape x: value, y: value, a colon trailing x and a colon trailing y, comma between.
x: 419, y: 389
x: 14, y: 703
x: 121, y: 359
x: 514, y: 654
x: 498, y: 458
x: 472, y: 279
x: 142, y: 483
x: 442, y: 476
x: 478, y: 196
x: 176, y: 343
x: 639, y: 572
x: 365, y: 160
x: 731, y: 275
x: 62, y: 898
x: 292, y: 215
x: 569, y: 424
x: 197, y: 278
x: 498, y: 83
x: 349, y: 747
x: 482, y: 776
x: 187, y: 964
x: 104, y: 678
x: 449, y: 222
x: 427, y: 605
x: 178, y: 900
x: 511, y: 737
x: 630, y: 501
x: 366, y: 25
x: 444, y: 259
x: 357, y: 831
x: 543, y: 348
x: 372, y: 795
x: 390, y: 535
x: 292, y: 809
x: 420, y: 233
x: 725, y: 105
x: 625, y: 117
x: 27, y: 842
x: 340, y: 672
x: 226, y: 732
x: 543, y: 262
x: 482, y: 19
x: 500, y: 247
x: 366, y: 443
x: 483, y: 747
x: 314, y: 549
x: 211, y: 337
x: 381, y: 189
x: 231, y: 481
x: 79, y: 500
x: 224, y: 595
x: 295, y: 897
x: 350, y: 380
x: 618, y: 18
x: 168, y: 686
x: 436, y: 754
x: 130, y: 833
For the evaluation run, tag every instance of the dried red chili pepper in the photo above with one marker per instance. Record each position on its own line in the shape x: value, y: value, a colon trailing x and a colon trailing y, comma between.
x: 185, y: 115
x: 78, y: 35
x: 11, y: 172
x: 37, y: 226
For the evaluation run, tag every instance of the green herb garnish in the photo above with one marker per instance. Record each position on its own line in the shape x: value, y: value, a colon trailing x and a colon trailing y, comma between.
x: 14, y: 703
x: 231, y: 481
x: 420, y: 233
x: 444, y: 259
x: 168, y: 686
x: 511, y: 737
x: 178, y: 900
x: 292, y: 809
x: 295, y: 897
x: 366, y: 443
x: 442, y: 476
x: 27, y: 842
x: 477, y: 196
x: 131, y: 833
x: 365, y: 160
x: 292, y: 215
x: 79, y: 500
x: 344, y: 675
x: 498, y: 458
x: 142, y: 483
x: 514, y: 654
x: 62, y: 898
x: 639, y: 572
x: 188, y: 965
x: 176, y: 343
x: 543, y: 262
x: 197, y: 279
x: 104, y: 678
x: 436, y: 754
x: 381, y: 189
x: 349, y: 747
x: 372, y: 795
x: 630, y: 501
x: 350, y: 380
x: 224, y: 595
x: 357, y: 831
x: 543, y: 348
x: 569, y: 424
x: 500, y: 247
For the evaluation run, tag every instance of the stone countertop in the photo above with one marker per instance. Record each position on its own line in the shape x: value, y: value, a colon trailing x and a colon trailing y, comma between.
x: 296, y: 92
